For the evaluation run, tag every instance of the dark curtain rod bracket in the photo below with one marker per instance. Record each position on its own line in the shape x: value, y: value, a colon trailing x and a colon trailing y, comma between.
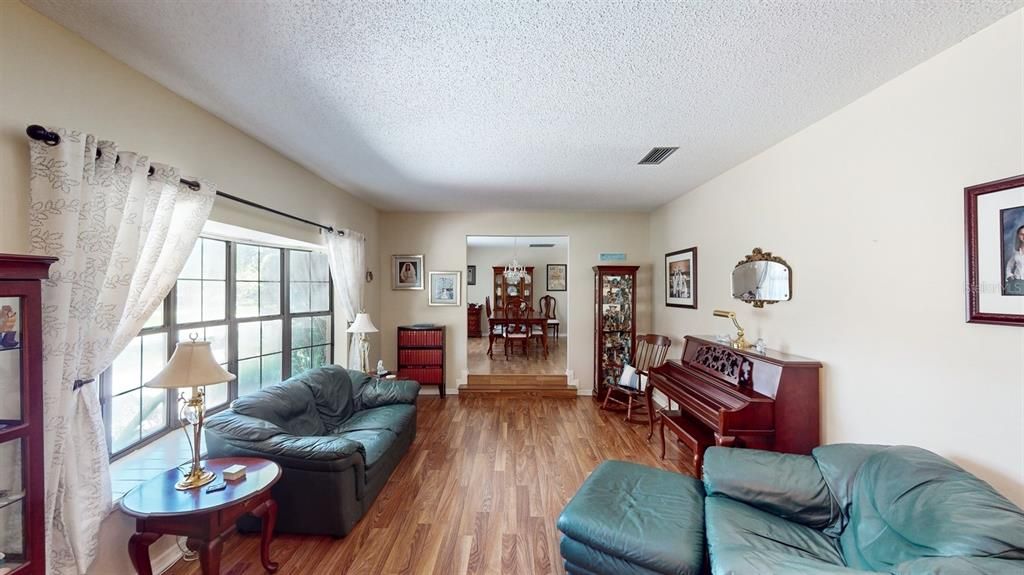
x: 37, y: 132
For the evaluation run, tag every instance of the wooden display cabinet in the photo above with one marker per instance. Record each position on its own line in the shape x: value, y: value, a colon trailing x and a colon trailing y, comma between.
x: 503, y: 290
x: 614, y: 323
x: 21, y: 414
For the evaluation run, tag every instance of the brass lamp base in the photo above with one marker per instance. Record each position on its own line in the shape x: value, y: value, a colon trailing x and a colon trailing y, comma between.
x: 198, y: 477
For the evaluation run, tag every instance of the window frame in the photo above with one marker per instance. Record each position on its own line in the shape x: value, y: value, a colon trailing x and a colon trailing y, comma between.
x: 231, y: 320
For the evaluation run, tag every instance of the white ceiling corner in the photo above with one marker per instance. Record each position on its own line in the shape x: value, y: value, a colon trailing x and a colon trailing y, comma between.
x: 508, y: 105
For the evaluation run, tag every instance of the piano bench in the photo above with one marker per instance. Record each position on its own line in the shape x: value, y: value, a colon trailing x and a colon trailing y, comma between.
x: 630, y: 518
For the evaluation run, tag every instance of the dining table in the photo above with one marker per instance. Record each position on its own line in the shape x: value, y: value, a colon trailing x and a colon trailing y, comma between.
x: 498, y: 317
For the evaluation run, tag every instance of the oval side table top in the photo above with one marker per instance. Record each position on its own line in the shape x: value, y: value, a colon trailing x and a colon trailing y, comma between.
x: 158, y: 497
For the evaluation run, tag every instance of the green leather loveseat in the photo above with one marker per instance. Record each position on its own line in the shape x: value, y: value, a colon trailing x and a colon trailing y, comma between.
x: 853, y: 509
x: 337, y: 434
x: 845, y: 509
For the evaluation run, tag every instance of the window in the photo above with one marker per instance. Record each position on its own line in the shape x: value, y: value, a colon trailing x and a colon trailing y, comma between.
x: 266, y: 311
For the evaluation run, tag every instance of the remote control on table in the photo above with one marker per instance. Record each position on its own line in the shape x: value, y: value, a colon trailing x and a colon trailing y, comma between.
x: 219, y: 486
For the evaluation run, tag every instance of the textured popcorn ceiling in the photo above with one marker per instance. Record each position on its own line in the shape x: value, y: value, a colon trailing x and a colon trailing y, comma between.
x: 486, y: 105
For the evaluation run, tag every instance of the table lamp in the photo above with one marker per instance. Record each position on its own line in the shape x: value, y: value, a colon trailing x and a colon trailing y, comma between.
x: 192, y: 365
x: 740, y: 342
x: 363, y: 326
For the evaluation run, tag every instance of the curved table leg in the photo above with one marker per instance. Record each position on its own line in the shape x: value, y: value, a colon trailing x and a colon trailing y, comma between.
x: 138, y: 552
x: 268, y: 512
x: 209, y: 556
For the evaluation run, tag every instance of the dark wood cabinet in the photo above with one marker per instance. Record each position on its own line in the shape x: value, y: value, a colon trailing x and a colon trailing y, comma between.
x: 503, y: 289
x: 614, y: 323
x: 473, y: 320
x: 421, y: 354
x: 21, y: 414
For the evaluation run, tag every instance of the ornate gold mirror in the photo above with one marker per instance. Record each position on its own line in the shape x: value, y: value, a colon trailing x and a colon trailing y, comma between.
x: 762, y: 278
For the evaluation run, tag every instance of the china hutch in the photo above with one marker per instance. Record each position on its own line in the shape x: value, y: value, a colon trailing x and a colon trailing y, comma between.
x: 503, y: 289
x: 21, y: 414
x: 614, y: 323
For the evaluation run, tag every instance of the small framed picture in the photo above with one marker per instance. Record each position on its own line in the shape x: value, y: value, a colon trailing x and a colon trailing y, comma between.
x: 681, y: 278
x: 445, y: 288
x: 471, y: 275
x: 557, y: 277
x: 407, y: 272
x: 994, y: 219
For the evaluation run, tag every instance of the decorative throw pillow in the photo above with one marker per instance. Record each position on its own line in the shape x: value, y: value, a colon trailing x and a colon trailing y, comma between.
x: 629, y: 377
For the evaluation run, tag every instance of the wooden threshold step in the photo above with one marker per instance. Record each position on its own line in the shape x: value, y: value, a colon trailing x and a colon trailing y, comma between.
x: 518, y: 391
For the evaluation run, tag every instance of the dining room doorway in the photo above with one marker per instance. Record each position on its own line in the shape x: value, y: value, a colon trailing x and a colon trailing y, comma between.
x: 518, y: 304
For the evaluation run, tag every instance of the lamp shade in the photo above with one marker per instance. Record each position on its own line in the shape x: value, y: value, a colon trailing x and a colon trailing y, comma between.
x: 362, y: 324
x: 192, y: 365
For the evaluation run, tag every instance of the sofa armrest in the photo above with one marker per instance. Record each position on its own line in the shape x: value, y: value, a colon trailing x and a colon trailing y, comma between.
x: 378, y: 392
x: 787, y: 485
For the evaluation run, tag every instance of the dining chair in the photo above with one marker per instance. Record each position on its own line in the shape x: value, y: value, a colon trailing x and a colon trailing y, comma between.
x: 517, y: 325
x: 494, y: 329
x: 547, y: 309
x: 649, y: 352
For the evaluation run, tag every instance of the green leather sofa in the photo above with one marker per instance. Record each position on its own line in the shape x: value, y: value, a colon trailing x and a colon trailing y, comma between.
x: 337, y: 434
x: 844, y: 509
x: 855, y: 509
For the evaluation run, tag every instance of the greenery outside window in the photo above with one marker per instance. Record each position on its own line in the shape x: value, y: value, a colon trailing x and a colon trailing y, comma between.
x: 266, y: 311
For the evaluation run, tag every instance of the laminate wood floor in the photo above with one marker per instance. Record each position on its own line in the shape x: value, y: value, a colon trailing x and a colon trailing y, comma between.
x: 478, y: 492
x: 517, y: 363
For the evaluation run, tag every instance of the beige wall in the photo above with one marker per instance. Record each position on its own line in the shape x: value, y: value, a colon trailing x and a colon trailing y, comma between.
x: 484, y: 258
x: 867, y: 206
x: 50, y: 76
x: 441, y: 237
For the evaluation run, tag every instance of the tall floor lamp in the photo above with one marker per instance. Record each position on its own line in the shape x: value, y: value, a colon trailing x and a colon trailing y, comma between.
x: 362, y: 326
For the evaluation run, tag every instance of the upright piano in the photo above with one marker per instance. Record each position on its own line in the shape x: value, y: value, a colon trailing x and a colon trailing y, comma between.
x: 738, y: 398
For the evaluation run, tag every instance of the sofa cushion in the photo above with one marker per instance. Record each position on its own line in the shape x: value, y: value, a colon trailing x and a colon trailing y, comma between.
x: 782, y: 484
x: 745, y: 539
x: 908, y: 503
x: 590, y: 560
x: 647, y: 517
x: 376, y: 443
x: 289, y: 405
x: 331, y: 387
x: 839, y: 464
x: 391, y: 417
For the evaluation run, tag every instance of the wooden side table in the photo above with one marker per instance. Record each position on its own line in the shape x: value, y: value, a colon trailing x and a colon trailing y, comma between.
x: 205, y: 518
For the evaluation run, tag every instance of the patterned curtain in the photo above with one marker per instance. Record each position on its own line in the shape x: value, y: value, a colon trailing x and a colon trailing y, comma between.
x: 122, y: 237
x: 347, y: 258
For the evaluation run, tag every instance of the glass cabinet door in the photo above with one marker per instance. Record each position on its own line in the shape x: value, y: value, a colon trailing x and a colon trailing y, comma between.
x: 12, y: 506
x: 616, y: 295
x: 11, y: 411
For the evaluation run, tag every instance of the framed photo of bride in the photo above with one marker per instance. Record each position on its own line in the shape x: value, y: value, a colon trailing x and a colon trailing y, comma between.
x: 994, y: 222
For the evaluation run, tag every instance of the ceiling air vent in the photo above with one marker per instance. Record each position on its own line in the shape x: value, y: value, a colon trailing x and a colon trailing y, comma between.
x: 542, y: 245
x: 657, y: 155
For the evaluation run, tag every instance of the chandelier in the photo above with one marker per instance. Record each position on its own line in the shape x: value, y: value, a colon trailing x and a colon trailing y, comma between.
x: 515, y: 272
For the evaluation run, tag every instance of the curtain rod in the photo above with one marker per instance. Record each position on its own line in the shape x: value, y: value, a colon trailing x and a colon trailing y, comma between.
x: 37, y: 132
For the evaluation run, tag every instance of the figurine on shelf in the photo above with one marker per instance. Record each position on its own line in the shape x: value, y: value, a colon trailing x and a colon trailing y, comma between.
x: 8, y: 326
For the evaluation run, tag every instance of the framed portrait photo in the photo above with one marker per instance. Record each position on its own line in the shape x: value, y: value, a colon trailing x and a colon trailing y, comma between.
x: 407, y: 272
x: 557, y: 277
x: 471, y: 275
x: 445, y: 288
x: 994, y: 222
x: 681, y: 278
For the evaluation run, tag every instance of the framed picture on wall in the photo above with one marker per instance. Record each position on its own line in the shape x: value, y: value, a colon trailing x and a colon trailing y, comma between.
x: 471, y: 275
x: 557, y: 277
x: 681, y: 278
x: 445, y: 288
x: 994, y: 222
x: 407, y: 272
